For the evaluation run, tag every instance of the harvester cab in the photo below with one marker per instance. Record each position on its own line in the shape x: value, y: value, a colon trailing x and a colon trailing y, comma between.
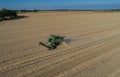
x: 53, y: 41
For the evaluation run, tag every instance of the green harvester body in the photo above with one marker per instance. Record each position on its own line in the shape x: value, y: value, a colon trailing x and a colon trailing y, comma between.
x: 53, y: 42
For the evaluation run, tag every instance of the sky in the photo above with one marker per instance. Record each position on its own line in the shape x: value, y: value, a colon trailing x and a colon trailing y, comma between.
x: 60, y: 4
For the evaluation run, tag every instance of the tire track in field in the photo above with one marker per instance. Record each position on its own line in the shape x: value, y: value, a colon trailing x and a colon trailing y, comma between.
x: 71, y: 67
x: 43, y: 51
x: 59, y: 54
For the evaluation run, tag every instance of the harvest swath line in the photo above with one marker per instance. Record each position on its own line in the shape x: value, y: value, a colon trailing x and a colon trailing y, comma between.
x: 72, y: 36
x: 39, y: 52
x: 90, y: 53
x: 57, y: 54
x: 43, y: 51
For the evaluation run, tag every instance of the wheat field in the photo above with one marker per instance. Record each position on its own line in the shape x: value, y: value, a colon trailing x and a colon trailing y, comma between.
x: 92, y: 50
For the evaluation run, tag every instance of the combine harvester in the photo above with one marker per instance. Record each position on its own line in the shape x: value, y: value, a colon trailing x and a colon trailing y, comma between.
x: 53, y: 42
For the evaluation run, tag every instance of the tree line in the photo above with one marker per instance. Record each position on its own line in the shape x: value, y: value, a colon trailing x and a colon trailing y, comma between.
x: 5, y: 14
x: 23, y: 11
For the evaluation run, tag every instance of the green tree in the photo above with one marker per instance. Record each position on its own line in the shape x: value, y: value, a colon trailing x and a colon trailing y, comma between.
x: 7, y: 13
